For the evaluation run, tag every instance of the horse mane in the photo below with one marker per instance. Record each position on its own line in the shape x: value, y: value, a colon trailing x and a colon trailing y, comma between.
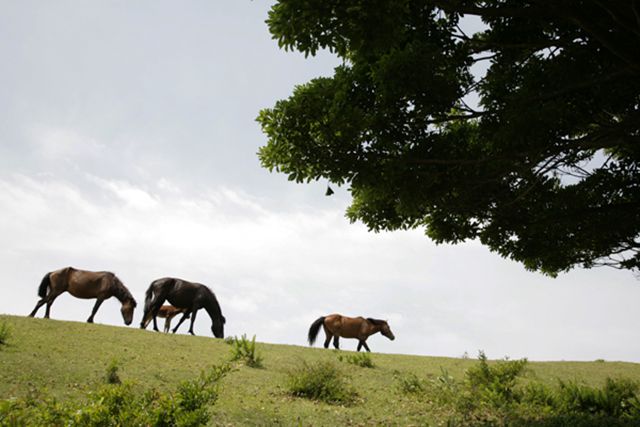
x: 121, y: 292
x: 376, y: 322
x: 215, y: 305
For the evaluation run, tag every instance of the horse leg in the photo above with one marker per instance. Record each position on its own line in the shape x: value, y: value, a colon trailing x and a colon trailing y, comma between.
x: 38, y: 305
x: 360, y: 345
x: 336, y: 342
x: 167, y: 324
x: 50, y: 298
x: 366, y: 347
x: 184, y: 316
x: 155, y: 307
x: 193, y: 319
x: 99, y: 302
x: 328, y: 340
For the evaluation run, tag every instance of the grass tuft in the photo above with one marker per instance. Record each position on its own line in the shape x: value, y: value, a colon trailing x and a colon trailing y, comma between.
x: 363, y: 360
x: 111, y: 375
x: 5, y: 333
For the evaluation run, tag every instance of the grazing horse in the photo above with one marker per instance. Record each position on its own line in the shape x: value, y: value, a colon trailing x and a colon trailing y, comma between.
x: 336, y: 326
x: 100, y: 285
x: 167, y: 312
x: 185, y: 295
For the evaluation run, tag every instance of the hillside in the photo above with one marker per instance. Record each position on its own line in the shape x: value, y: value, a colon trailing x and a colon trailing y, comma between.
x: 66, y: 360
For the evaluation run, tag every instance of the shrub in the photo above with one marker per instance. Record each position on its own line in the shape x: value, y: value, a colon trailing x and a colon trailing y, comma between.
x: 5, y: 333
x: 617, y: 398
x: 491, y: 395
x: 321, y: 381
x: 359, y: 359
x: 244, y: 350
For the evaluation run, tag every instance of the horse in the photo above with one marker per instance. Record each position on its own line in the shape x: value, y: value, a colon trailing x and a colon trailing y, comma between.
x: 100, y: 285
x: 167, y: 312
x: 336, y: 326
x: 184, y: 295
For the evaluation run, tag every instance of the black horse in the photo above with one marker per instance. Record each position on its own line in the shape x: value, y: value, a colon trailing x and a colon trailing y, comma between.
x: 186, y: 295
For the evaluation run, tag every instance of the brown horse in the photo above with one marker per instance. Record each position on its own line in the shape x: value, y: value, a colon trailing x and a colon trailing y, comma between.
x: 100, y: 285
x: 185, y: 295
x: 336, y: 326
x: 167, y: 312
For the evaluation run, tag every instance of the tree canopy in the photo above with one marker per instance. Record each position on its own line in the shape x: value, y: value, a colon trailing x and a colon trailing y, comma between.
x: 524, y: 134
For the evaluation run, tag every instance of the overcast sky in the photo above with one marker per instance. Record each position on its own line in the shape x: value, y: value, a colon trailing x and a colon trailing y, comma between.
x: 128, y: 143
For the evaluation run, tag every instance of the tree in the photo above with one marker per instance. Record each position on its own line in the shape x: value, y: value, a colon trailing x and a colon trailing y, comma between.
x: 543, y: 166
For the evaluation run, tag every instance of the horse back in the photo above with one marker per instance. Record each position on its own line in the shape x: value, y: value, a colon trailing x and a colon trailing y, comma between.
x: 346, y: 327
x: 89, y: 284
x: 185, y: 295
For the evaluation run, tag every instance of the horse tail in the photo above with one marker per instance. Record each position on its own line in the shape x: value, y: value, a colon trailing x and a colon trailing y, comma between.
x: 44, y: 285
x: 314, y: 329
x: 147, y: 298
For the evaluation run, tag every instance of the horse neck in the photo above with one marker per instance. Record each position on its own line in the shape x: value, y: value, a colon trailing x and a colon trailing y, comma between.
x: 373, y: 328
x: 213, y: 308
x: 120, y: 292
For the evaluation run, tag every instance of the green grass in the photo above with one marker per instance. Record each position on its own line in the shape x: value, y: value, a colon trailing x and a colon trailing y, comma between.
x: 66, y: 360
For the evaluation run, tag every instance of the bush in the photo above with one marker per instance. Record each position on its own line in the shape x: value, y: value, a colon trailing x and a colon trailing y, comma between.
x: 618, y: 398
x: 5, y: 333
x: 495, y: 384
x: 123, y: 405
x: 244, y: 350
x: 321, y: 381
x: 363, y: 360
x: 491, y: 395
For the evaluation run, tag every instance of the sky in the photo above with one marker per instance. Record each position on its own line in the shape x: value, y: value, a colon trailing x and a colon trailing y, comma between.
x: 128, y: 143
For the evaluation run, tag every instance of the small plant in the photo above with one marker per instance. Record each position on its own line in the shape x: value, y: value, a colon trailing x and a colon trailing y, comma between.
x: 359, y: 359
x: 244, y: 350
x: 230, y: 340
x: 5, y: 333
x: 409, y: 383
x: 111, y: 375
x: 321, y: 381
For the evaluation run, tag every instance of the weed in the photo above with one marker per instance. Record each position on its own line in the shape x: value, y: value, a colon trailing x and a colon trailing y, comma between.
x: 5, y: 334
x: 321, y: 381
x: 111, y: 375
x: 409, y: 383
x: 359, y: 359
x: 244, y: 350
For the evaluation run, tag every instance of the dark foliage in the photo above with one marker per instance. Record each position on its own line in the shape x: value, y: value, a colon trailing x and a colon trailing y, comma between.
x: 537, y: 157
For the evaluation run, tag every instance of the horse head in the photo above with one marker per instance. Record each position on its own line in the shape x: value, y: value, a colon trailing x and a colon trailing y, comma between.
x: 217, y: 327
x: 127, y: 310
x: 386, y: 331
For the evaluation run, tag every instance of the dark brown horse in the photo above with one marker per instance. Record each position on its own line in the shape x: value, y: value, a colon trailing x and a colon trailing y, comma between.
x: 186, y: 295
x: 100, y: 285
x: 336, y: 326
x: 166, y: 312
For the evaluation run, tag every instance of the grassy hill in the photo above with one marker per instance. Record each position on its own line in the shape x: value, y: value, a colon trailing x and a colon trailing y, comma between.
x: 67, y: 360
